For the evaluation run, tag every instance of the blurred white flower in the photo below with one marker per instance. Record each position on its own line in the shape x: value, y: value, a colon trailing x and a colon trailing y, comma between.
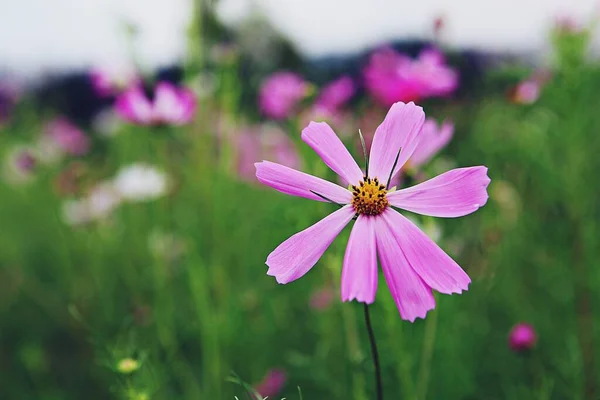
x: 140, y: 182
x: 97, y: 205
x: 203, y: 85
x: 75, y: 212
x: 102, y: 200
x: 107, y: 123
x: 167, y: 246
x: 48, y: 151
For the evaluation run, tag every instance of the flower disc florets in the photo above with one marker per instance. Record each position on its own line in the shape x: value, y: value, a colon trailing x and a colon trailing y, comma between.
x: 369, y: 197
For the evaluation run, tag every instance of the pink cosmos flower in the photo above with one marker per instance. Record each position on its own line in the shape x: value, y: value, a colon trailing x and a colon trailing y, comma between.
x: 336, y: 94
x: 170, y: 106
x: 526, y: 92
x: 67, y: 137
x: 522, y: 337
x: 391, y: 76
x: 412, y: 263
x: 272, y: 383
x: 109, y: 81
x: 433, y: 139
x: 329, y: 104
x: 280, y: 93
x: 264, y: 141
x: 25, y: 161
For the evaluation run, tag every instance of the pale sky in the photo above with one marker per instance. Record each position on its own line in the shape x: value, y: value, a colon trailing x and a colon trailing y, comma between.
x: 42, y: 35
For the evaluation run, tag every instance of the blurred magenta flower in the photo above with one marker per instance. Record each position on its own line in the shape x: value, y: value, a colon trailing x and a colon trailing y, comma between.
x: 170, y: 106
x: 412, y: 263
x: 336, y: 94
x: 522, y: 337
x: 263, y: 141
x: 112, y: 80
x: 272, y: 383
x: 433, y: 139
x: 67, y: 137
x: 280, y: 93
x: 391, y: 76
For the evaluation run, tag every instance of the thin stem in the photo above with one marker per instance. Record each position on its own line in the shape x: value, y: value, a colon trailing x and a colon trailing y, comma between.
x: 374, y: 352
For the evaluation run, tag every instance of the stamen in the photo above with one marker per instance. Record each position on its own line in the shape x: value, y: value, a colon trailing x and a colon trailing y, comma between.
x: 370, y: 198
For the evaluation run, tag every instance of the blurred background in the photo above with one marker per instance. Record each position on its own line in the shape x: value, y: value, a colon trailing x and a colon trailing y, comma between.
x: 135, y: 232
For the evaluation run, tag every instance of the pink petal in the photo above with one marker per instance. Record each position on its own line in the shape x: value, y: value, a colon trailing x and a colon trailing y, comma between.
x: 323, y: 140
x: 412, y: 296
x: 297, y: 255
x: 359, y: 275
x: 432, y: 56
x: 187, y: 99
x: 134, y: 106
x: 336, y: 94
x: 454, y: 193
x: 399, y: 130
x: 169, y: 107
x: 426, y: 258
x: 296, y: 183
x: 433, y: 139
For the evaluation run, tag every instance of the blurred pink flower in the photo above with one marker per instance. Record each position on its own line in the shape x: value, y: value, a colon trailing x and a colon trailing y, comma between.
x: 272, y: 383
x: 329, y: 104
x: 261, y: 142
x: 170, y: 106
x: 412, y: 263
x: 336, y: 94
x: 526, y: 92
x: 339, y: 119
x: 391, y: 76
x: 112, y: 80
x: 67, y: 137
x: 25, y: 161
x: 322, y: 299
x: 522, y: 337
x: 433, y: 139
x: 280, y: 93
x: 438, y: 26
x: 567, y: 24
x: 19, y: 166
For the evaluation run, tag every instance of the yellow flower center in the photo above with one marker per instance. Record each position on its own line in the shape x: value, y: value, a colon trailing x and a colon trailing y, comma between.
x: 369, y: 197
